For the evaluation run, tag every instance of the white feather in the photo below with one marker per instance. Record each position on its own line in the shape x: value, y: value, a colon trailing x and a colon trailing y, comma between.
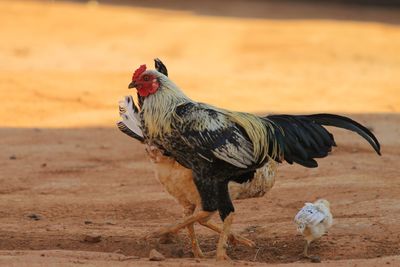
x: 129, y: 117
x: 309, y: 216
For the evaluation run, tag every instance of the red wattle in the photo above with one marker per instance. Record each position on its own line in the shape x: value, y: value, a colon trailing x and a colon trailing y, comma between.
x: 148, y: 89
x: 143, y: 92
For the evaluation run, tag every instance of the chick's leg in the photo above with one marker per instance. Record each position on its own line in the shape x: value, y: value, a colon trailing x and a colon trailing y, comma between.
x: 232, y: 237
x: 305, y: 252
x: 221, y: 247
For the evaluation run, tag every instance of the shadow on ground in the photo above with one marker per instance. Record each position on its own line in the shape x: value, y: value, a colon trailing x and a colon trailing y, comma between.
x: 353, y: 10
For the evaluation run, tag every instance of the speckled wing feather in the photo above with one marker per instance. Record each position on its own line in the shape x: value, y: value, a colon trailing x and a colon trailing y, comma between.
x: 212, y: 136
x: 309, y: 215
x: 130, y: 123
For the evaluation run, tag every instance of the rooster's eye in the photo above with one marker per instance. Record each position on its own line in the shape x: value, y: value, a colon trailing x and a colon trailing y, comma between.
x: 146, y: 78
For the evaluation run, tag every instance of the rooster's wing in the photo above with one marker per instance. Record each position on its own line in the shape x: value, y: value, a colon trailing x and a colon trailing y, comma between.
x: 211, y: 135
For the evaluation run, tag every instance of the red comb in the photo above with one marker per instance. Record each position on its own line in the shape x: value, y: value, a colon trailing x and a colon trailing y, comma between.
x: 139, y: 71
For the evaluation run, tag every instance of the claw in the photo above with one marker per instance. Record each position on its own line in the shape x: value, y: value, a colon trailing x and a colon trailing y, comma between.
x: 237, y: 239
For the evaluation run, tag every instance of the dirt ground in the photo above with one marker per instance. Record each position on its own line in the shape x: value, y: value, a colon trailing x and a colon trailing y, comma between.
x: 67, y: 173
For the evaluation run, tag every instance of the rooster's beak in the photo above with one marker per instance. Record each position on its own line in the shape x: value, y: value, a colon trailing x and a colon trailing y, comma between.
x: 132, y: 85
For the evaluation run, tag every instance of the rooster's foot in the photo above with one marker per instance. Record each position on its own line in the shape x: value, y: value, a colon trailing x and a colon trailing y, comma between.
x: 237, y: 239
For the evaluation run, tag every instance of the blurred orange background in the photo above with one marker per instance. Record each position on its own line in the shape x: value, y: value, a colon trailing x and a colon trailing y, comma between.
x: 65, y: 64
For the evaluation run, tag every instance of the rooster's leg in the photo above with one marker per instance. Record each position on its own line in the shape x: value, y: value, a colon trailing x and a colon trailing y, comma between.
x: 195, y: 244
x: 221, y: 247
x: 189, y: 210
x: 201, y: 215
x: 232, y: 237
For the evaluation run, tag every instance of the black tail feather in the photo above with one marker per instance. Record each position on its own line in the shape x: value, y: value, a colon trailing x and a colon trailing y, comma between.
x: 305, y: 138
x: 349, y: 124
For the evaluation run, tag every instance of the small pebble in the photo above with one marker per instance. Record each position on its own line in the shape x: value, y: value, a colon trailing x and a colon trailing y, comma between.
x: 13, y: 157
x: 156, y: 256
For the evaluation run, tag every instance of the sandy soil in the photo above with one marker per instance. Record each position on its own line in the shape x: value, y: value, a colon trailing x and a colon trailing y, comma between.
x: 68, y: 173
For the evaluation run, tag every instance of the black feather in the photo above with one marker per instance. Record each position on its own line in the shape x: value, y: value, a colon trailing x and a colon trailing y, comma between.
x: 305, y: 138
x: 160, y: 67
x: 349, y: 124
x: 123, y: 128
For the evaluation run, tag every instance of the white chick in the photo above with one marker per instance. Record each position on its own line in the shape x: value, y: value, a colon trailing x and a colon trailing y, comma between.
x: 313, y: 221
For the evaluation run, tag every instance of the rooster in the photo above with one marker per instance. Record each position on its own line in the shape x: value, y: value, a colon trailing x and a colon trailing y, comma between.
x: 178, y: 181
x: 220, y: 146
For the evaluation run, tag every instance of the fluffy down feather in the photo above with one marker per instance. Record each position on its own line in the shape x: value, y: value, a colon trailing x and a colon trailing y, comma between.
x: 313, y: 221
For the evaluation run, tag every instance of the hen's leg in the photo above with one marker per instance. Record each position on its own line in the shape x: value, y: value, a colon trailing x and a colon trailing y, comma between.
x: 200, y: 215
x: 195, y: 244
x: 232, y: 237
x: 221, y: 247
x: 192, y: 235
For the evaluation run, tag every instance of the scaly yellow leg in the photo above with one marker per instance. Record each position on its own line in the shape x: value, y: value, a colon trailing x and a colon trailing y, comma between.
x: 195, y: 244
x: 221, y: 247
x: 201, y: 215
x: 232, y: 237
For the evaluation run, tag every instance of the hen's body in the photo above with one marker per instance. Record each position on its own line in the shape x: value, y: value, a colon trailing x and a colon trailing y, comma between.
x: 178, y: 181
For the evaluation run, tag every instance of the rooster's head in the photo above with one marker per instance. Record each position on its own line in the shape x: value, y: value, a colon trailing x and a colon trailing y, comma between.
x: 146, y: 82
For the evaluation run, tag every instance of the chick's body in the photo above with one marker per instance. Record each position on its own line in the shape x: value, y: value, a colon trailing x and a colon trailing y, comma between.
x: 313, y: 221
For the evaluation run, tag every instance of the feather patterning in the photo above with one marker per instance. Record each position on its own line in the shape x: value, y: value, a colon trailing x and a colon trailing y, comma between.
x: 221, y: 146
x: 263, y: 180
x: 178, y: 180
x: 130, y: 123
